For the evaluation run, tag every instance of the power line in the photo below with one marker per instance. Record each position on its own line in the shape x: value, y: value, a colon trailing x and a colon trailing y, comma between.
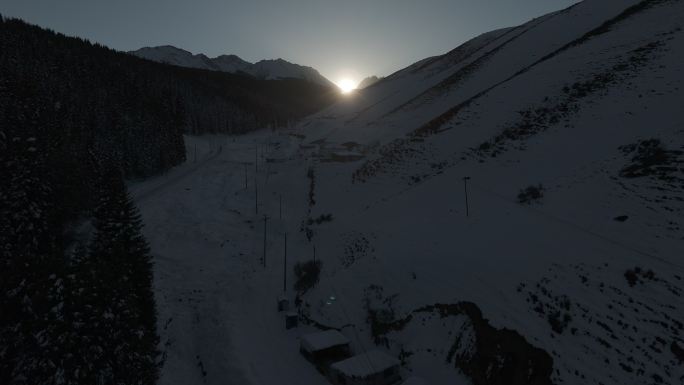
x: 465, y: 187
x: 285, y: 265
x: 265, y: 222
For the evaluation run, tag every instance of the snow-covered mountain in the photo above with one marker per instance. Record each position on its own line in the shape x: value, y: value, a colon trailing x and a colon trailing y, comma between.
x: 368, y: 81
x: 279, y: 68
x: 230, y: 63
x: 558, y: 262
x: 264, y: 69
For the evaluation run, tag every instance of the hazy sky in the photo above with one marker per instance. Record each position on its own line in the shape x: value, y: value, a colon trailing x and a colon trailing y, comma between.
x: 343, y: 38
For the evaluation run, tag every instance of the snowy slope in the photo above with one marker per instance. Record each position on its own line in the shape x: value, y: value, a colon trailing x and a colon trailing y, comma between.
x: 264, y: 69
x: 437, y: 84
x: 585, y: 284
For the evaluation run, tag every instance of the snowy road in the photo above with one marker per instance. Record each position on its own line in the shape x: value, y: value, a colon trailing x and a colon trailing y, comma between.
x: 217, y: 316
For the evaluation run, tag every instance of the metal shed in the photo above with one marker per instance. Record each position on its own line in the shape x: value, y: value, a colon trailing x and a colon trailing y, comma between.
x: 371, y: 368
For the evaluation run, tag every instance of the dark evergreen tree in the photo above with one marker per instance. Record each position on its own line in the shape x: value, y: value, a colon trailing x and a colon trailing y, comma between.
x: 118, y: 271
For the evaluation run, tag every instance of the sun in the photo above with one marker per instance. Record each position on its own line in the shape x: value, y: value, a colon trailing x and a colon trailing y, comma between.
x: 347, y: 85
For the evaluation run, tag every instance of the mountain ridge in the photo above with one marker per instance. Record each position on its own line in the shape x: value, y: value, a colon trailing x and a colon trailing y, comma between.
x: 369, y: 81
x: 267, y: 69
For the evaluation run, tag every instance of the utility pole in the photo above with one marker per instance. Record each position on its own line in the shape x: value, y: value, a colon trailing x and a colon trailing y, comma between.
x: 245, y: 176
x: 285, y: 266
x: 256, y: 158
x: 195, y: 152
x: 265, y: 222
x: 256, y: 195
x: 314, y: 250
x: 280, y: 206
x: 465, y: 186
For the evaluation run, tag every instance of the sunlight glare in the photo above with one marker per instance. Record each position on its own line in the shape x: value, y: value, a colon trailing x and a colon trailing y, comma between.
x: 347, y: 85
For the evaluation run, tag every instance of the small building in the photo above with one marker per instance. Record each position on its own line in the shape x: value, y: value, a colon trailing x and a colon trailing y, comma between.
x: 324, y: 348
x: 371, y: 368
x: 283, y: 303
x: 291, y: 320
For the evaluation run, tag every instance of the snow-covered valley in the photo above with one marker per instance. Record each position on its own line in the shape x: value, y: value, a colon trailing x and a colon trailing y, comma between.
x: 570, y: 130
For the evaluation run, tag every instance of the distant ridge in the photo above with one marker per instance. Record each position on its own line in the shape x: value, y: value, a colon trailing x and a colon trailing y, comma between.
x: 264, y: 69
x: 369, y: 81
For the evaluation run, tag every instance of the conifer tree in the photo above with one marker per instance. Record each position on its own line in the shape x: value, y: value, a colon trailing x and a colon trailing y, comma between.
x: 123, y: 323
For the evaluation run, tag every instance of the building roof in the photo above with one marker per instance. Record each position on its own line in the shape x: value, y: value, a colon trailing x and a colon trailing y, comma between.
x: 366, y: 364
x: 322, y: 340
